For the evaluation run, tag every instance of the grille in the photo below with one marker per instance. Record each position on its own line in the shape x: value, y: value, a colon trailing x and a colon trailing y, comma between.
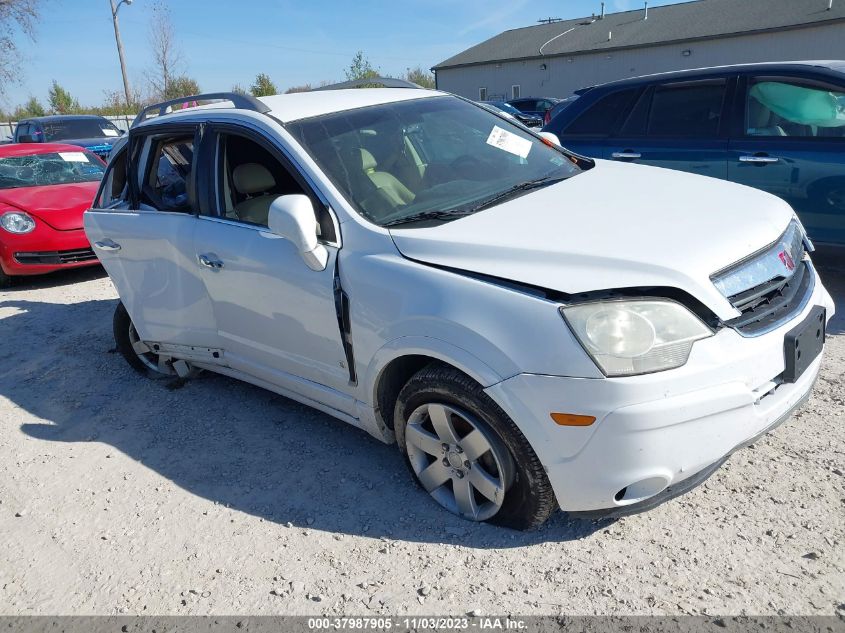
x: 57, y: 257
x: 770, y: 304
x: 771, y: 286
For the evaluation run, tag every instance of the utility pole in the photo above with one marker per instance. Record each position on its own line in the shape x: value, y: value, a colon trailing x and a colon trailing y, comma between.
x: 114, y: 9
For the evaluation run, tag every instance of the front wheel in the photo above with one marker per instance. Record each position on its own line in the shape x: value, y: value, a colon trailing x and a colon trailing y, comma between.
x: 467, y: 453
x: 137, y: 353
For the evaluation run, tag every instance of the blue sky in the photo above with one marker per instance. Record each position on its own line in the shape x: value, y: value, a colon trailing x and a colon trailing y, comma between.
x: 225, y: 42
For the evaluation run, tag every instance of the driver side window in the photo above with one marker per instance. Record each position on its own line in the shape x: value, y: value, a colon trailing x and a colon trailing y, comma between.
x: 250, y: 178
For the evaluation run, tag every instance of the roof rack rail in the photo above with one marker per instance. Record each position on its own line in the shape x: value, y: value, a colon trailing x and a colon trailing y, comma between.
x: 386, y: 82
x: 244, y: 102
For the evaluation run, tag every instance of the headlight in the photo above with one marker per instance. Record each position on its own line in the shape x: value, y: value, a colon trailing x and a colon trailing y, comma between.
x: 17, y: 222
x: 630, y: 337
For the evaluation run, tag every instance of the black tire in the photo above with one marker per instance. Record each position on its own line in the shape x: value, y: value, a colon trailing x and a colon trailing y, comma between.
x: 5, y: 280
x: 529, y: 500
x: 121, y: 326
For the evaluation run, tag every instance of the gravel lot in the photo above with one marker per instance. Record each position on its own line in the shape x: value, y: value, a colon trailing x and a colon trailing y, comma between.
x: 120, y: 495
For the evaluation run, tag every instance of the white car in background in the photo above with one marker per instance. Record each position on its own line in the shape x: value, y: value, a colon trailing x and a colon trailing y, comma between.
x: 534, y: 329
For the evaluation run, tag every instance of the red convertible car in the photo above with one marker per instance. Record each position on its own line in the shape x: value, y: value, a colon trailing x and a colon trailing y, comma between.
x: 44, y: 190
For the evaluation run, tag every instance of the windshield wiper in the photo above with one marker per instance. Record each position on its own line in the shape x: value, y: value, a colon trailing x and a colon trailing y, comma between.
x: 427, y: 215
x: 545, y: 181
x: 537, y: 183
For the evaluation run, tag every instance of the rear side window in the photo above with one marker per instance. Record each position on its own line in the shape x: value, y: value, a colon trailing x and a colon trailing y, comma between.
x: 600, y: 118
x: 783, y: 106
x: 167, y: 186
x: 689, y: 109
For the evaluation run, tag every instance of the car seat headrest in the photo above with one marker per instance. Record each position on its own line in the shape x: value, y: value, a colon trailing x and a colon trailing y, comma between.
x: 252, y: 178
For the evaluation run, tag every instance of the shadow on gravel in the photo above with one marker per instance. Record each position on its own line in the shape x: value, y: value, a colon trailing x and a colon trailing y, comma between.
x: 229, y: 442
x: 830, y: 262
x: 56, y: 279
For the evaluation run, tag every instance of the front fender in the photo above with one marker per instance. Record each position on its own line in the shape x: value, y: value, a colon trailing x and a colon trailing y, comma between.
x: 435, y: 348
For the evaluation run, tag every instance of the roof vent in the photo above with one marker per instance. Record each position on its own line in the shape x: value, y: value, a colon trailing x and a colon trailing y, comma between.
x: 645, y: 16
x: 609, y: 35
x: 601, y: 17
x: 829, y: 4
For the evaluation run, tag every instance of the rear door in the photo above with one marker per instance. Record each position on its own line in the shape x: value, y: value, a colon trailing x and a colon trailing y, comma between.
x: 790, y: 141
x: 679, y: 125
x: 142, y: 229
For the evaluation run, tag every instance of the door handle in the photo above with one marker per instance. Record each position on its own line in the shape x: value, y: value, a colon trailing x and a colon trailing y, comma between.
x: 107, y: 245
x: 210, y: 261
x: 759, y: 160
x: 626, y: 155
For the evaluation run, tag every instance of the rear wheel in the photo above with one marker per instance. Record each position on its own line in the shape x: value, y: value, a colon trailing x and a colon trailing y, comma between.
x: 137, y: 353
x: 467, y: 453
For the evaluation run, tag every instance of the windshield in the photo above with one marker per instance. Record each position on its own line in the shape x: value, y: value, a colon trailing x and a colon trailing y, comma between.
x: 59, y: 168
x: 63, y: 130
x: 505, y: 107
x: 397, y: 161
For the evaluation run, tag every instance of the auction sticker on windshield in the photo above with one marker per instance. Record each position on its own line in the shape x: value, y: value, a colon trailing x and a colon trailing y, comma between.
x: 509, y: 142
x: 73, y: 157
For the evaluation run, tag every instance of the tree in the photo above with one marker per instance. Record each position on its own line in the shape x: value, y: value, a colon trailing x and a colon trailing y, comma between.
x: 15, y: 16
x: 114, y: 103
x: 360, y: 68
x: 238, y: 89
x: 181, y: 86
x: 420, y: 77
x: 167, y: 57
x: 61, y: 101
x: 263, y: 86
x: 302, y: 88
x: 31, y: 108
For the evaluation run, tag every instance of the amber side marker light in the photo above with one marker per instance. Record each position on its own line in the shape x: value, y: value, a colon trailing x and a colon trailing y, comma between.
x: 570, y: 419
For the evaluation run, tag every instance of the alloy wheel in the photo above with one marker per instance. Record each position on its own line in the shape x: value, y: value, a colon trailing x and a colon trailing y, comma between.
x: 458, y: 460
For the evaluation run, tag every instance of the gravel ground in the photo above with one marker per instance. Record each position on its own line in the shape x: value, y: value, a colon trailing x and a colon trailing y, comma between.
x: 120, y: 495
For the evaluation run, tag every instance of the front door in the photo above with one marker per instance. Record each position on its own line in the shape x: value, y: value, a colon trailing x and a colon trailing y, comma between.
x: 142, y: 228
x: 677, y: 125
x: 791, y: 143
x: 276, y: 318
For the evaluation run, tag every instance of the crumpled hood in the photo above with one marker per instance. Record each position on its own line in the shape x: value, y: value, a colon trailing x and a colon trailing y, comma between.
x: 60, y: 206
x: 614, y: 226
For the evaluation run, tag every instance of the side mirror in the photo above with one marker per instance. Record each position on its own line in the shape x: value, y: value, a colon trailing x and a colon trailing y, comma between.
x: 550, y: 137
x: 26, y: 138
x: 292, y: 217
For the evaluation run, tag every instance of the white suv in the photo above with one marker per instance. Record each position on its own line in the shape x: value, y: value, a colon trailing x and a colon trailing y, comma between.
x: 533, y: 328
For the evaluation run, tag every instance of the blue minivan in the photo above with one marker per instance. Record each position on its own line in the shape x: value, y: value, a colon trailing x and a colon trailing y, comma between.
x: 779, y: 127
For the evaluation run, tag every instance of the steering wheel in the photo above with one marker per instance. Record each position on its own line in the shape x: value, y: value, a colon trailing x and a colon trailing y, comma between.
x: 469, y: 167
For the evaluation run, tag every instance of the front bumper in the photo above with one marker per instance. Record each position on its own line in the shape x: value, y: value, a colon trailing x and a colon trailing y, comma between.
x: 44, y: 250
x: 654, y: 432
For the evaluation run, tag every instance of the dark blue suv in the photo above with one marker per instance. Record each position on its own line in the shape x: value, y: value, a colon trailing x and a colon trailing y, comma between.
x: 779, y: 127
x: 95, y: 133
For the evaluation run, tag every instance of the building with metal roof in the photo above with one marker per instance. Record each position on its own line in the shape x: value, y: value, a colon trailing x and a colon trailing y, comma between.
x: 557, y: 58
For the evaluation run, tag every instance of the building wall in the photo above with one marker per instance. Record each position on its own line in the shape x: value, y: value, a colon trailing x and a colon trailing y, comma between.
x: 565, y: 74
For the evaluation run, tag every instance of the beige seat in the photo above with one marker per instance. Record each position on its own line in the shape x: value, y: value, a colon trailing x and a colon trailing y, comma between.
x: 387, y: 185
x: 254, y: 181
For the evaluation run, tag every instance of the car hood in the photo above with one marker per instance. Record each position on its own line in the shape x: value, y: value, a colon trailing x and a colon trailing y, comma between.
x: 611, y: 227
x: 60, y: 206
